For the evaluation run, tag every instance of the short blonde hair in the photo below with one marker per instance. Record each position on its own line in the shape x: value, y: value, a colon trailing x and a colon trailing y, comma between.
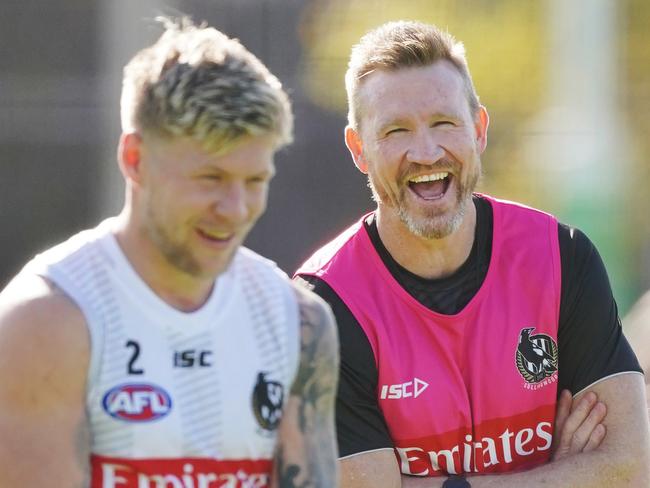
x: 196, y: 82
x: 403, y: 44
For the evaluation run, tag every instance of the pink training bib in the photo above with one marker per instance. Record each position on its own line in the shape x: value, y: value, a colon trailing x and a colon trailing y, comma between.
x: 473, y: 392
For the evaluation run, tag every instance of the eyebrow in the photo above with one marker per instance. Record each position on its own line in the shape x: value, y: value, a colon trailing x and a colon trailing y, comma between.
x: 266, y: 173
x: 392, y: 123
x: 270, y: 173
x: 401, y: 121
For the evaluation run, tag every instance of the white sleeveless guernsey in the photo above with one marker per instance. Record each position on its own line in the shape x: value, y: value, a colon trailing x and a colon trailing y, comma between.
x: 179, y: 400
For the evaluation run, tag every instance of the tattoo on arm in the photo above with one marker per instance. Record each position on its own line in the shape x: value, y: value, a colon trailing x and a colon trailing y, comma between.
x: 313, y: 464
x: 318, y: 375
x: 288, y: 474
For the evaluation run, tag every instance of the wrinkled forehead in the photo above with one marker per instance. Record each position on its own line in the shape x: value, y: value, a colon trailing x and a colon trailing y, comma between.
x: 438, y: 88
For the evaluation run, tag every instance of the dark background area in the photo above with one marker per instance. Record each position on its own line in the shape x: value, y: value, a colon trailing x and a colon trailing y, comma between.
x: 55, y: 150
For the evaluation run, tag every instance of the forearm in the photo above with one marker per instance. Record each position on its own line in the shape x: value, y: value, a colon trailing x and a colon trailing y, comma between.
x: 589, y: 470
x: 594, y: 469
x: 623, y: 459
x: 306, y: 455
x: 417, y: 482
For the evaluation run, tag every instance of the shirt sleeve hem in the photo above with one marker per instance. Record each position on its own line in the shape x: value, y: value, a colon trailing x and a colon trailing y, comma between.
x: 365, y: 452
x: 606, y: 378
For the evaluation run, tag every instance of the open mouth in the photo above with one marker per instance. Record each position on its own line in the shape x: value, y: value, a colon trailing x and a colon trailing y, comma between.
x: 432, y: 186
x: 215, y: 236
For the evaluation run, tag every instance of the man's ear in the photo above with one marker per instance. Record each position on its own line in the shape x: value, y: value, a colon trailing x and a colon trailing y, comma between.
x: 481, y: 123
x: 129, y: 156
x: 355, y: 146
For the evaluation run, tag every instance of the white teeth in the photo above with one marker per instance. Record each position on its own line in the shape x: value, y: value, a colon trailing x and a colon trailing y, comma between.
x: 217, y: 235
x: 427, y: 178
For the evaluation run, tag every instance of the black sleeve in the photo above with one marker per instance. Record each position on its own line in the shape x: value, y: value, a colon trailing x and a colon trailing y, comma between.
x: 360, y: 425
x: 590, y: 338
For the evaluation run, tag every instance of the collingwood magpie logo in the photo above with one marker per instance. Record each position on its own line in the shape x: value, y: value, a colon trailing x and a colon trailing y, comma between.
x: 268, y: 397
x: 536, y: 355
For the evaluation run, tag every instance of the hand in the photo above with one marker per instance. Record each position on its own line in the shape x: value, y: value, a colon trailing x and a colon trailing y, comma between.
x: 578, y: 425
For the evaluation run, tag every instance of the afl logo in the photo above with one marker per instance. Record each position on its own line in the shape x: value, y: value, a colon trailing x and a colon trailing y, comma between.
x: 536, y: 355
x: 137, y: 402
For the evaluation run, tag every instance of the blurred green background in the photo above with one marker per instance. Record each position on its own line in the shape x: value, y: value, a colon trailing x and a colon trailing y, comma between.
x: 567, y: 85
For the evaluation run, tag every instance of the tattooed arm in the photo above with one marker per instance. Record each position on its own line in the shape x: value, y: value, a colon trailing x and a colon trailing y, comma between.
x: 306, y: 453
x: 44, y: 353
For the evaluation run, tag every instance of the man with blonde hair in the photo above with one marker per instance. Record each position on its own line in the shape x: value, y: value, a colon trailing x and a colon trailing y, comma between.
x: 465, y: 322
x: 154, y: 350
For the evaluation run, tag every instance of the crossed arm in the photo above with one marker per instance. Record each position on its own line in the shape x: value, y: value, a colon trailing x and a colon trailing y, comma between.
x: 306, y: 453
x: 622, y: 459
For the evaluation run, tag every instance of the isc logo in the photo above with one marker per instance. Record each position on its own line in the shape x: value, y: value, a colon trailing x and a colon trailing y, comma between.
x: 139, y: 402
x: 404, y: 390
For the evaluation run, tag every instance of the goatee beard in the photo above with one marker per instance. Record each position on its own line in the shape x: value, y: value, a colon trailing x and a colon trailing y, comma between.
x: 434, y: 226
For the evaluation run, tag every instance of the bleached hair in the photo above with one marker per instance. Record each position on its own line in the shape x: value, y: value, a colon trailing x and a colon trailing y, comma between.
x: 195, y: 81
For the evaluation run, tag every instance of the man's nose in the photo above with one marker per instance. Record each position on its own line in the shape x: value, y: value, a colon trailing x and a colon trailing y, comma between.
x: 231, y: 202
x: 425, y: 149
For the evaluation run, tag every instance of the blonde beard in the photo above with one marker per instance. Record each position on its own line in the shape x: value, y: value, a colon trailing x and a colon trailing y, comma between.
x: 434, y: 227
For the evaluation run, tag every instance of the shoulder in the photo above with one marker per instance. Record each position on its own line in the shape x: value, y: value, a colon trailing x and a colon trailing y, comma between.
x: 250, y: 257
x: 511, y: 208
x: 354, y: 345
x: 575, y: 246
x: 582, y: 265
x: 31, y: 298
x: 318, y: 334
x: 319, y: 287
x: 523, y: 223
x: 44, y: 358
x: 38, y: 320
x: 315, y: 313
x: 585, y: 283
x: 327, y: 253
x: 254, y: 266
x: 74, y: 248
x: 44, y: 353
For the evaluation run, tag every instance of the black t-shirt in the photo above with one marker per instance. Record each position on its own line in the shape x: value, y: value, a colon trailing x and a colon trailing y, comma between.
x: 590, y: 339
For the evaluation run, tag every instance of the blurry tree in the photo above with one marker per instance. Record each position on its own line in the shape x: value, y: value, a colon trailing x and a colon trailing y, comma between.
x: 508, y: 51
x: 635, y: 64
x: 504, y: 40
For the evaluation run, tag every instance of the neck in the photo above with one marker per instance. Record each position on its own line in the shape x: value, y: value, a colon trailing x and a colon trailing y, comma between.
x: 175, y: 287
x: 427, y: 258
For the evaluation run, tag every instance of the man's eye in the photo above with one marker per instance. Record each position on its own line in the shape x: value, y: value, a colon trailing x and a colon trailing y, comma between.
x: 210, y: 177
x: 440, y: 123
x: 256, y: 181
x: 395, y: 130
